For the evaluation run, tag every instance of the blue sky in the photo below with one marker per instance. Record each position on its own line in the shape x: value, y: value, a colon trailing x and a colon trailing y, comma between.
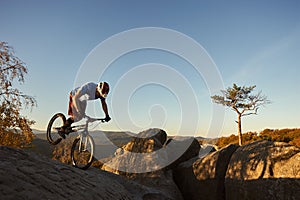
x: 250, y: 42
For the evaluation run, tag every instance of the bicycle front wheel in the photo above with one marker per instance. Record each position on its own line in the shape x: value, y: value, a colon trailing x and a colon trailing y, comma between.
x: 82, y: 152
x: 55, y: 123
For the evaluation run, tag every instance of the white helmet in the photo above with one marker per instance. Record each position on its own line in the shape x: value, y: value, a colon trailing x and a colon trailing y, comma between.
x: 103, y: 89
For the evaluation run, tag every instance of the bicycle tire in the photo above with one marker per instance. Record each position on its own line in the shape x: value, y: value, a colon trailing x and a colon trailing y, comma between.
x: 52, y: 134
x: 82, y: 159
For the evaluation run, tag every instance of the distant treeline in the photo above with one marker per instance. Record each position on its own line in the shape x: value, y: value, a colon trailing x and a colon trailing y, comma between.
x: 291, y: 136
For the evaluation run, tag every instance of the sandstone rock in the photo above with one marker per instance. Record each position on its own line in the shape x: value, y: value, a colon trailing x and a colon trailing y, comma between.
x: 143, y: 160
x: 143, y: 145
x: 181, y: 149
x: 264, y: 170
x: 142, y: 155
x: 62, y: 151
x: 25, y: 175
x: 156, y: 133
x: 204, y: 178
x: 147, y: 141
x: 206, y: 149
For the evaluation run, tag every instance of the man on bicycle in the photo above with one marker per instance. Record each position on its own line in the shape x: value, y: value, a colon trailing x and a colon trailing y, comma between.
x: 78, y: 102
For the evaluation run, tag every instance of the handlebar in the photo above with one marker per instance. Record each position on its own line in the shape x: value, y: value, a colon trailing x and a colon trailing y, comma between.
x: 90, y: 119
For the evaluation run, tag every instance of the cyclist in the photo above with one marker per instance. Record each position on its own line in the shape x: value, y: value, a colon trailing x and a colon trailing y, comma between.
x: 78, y: 101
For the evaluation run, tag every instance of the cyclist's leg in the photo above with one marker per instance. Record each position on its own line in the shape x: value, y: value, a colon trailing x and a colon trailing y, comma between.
x: 65, y: 128
x: 74, y: 115
x: 77, y: 116
x: 70, y: 120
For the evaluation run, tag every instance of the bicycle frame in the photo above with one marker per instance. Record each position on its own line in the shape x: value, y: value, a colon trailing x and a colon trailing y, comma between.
x: 83, y: 134
x: 84, y: 127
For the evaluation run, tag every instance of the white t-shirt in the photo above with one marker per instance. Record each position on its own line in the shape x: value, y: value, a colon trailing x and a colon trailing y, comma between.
x: 86, y: 91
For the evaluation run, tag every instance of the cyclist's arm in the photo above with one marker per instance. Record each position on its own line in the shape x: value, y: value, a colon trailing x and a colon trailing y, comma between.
x: 104, y: 106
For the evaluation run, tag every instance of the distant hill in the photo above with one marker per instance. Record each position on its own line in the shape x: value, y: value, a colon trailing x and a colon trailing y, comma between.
x: 291, y: 136
x: 39, y: 132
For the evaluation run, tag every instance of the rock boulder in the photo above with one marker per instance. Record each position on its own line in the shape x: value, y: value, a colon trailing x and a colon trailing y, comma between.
x: 264, y: 170
x: 143, y: 160
x: 181, y: 149
x: 203, y: 178
x: 24, y: 175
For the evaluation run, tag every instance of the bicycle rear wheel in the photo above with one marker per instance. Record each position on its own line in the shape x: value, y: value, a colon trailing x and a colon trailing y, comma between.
x: 82, y: 152
x: 55, y: 123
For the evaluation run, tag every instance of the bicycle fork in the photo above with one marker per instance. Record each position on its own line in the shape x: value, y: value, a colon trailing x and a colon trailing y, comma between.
x: 83, y: 143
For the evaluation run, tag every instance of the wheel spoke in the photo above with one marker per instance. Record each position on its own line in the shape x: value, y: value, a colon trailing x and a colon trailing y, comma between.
x: 82, y: 152
x: 57, y: 121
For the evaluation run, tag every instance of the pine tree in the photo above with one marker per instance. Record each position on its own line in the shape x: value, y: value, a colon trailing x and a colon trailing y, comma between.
x: 242, y: 101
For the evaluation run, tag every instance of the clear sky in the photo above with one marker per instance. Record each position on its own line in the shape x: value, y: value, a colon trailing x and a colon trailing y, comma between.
x: 250, y: 43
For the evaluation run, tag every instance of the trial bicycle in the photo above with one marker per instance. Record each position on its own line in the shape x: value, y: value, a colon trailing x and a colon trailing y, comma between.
x: 82, y: 150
